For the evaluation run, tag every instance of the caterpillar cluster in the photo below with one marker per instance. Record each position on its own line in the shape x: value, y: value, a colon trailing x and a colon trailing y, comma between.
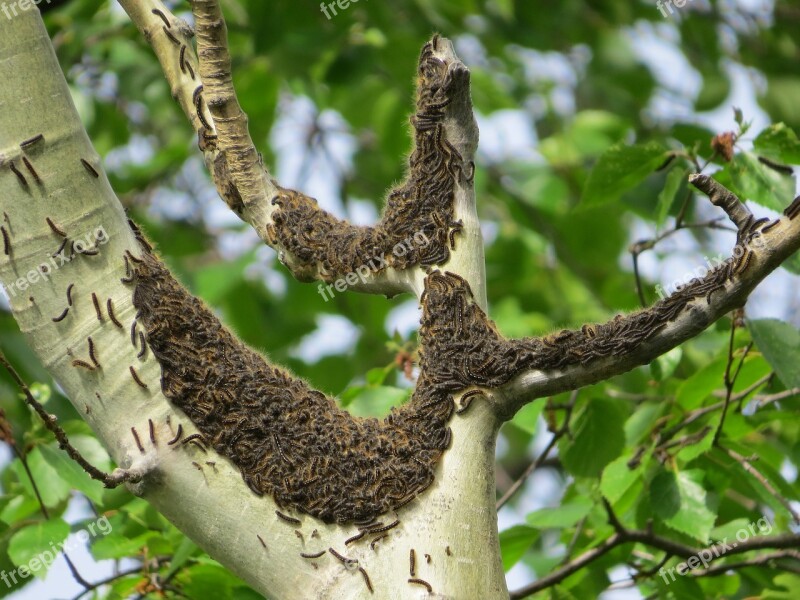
x: 289, y: 441
x: 423, y: 204
x: 296, y: 445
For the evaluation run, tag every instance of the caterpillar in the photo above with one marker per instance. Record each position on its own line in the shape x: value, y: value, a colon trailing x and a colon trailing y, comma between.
x: 138, y: 441
x: 55, y: 228
x: 171, y: 37
x: 111, y: 315
x: 30, y: 168
x: 6, y: 241
x: 162, y: 16
x: 177, y: 437
x: 25, y: 144
x: 135, y: 376
x: 98, y: 312
x: 90, y: 169
x: 20, y: 177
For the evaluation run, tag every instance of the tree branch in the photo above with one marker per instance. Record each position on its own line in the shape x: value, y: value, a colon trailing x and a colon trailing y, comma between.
x: 623, y: 536
x: 110, y: 480
x: 602, y: 351
x: 423, y: 218
x: 77, y: 321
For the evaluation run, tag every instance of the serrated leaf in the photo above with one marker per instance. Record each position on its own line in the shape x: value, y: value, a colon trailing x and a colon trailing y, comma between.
x: 780, y: 143
x: 35, y: 547
x: 619, y: 169
x: 779, y: 342
x: 760, y: 183
x: 565, y: 515
x: 598, y: 437
x: 618, y: 478
x: 689, y: 453
x: 514, y: 542
x: 681, y: 502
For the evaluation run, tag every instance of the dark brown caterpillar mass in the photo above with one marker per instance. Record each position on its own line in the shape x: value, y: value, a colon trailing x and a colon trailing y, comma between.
x: 423, y: 206
x: 296, y: 445
x: 289, y: 441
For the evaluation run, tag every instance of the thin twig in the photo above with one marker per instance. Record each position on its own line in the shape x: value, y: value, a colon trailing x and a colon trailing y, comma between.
x: 118, y: 575
x: 770, y: 398
x: 109, y: 480
x: 729, y: 380
x: 747, y: 466
x: 542, y: 457
x: 622, y: 536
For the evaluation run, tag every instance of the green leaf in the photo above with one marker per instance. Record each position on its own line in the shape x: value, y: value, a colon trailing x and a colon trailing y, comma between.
x: 374, y: 401
x: 789, y: 585
x: 378, y: 375
x: 641, y: 422
x: 779, y: 342
x: 715, y: 90
x: 598, y: 437
x: 213, y: 282
x: 36, y: 547
x: 668, y: 193
x: 118, y: 545
x: 618, y: 478
x: 514, y: 542
x: 689, y: 453
x: 681, y: 502
x: 208, y: 581
x: 738, y: 116
x: 699, y: 386
x: 792, y: 264
x: 182, y: 554
x: 763, y: 185
x: 562, y: 516
x: 52, y: 488
x: 779, y: 143
x: 527, y: 418
x: 664, y: 366
x: 41, y: 391
x: 619, y: 169
x: 73, y: 474
x: 18, y: 508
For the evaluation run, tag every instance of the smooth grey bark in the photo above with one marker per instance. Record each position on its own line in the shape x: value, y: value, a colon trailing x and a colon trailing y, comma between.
x: 211, y: 506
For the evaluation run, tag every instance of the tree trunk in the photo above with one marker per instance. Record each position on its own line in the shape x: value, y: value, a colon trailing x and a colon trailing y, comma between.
x: 454, y: 521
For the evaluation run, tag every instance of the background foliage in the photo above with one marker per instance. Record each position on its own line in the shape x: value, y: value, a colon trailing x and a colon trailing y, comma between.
x: 328, y: 102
